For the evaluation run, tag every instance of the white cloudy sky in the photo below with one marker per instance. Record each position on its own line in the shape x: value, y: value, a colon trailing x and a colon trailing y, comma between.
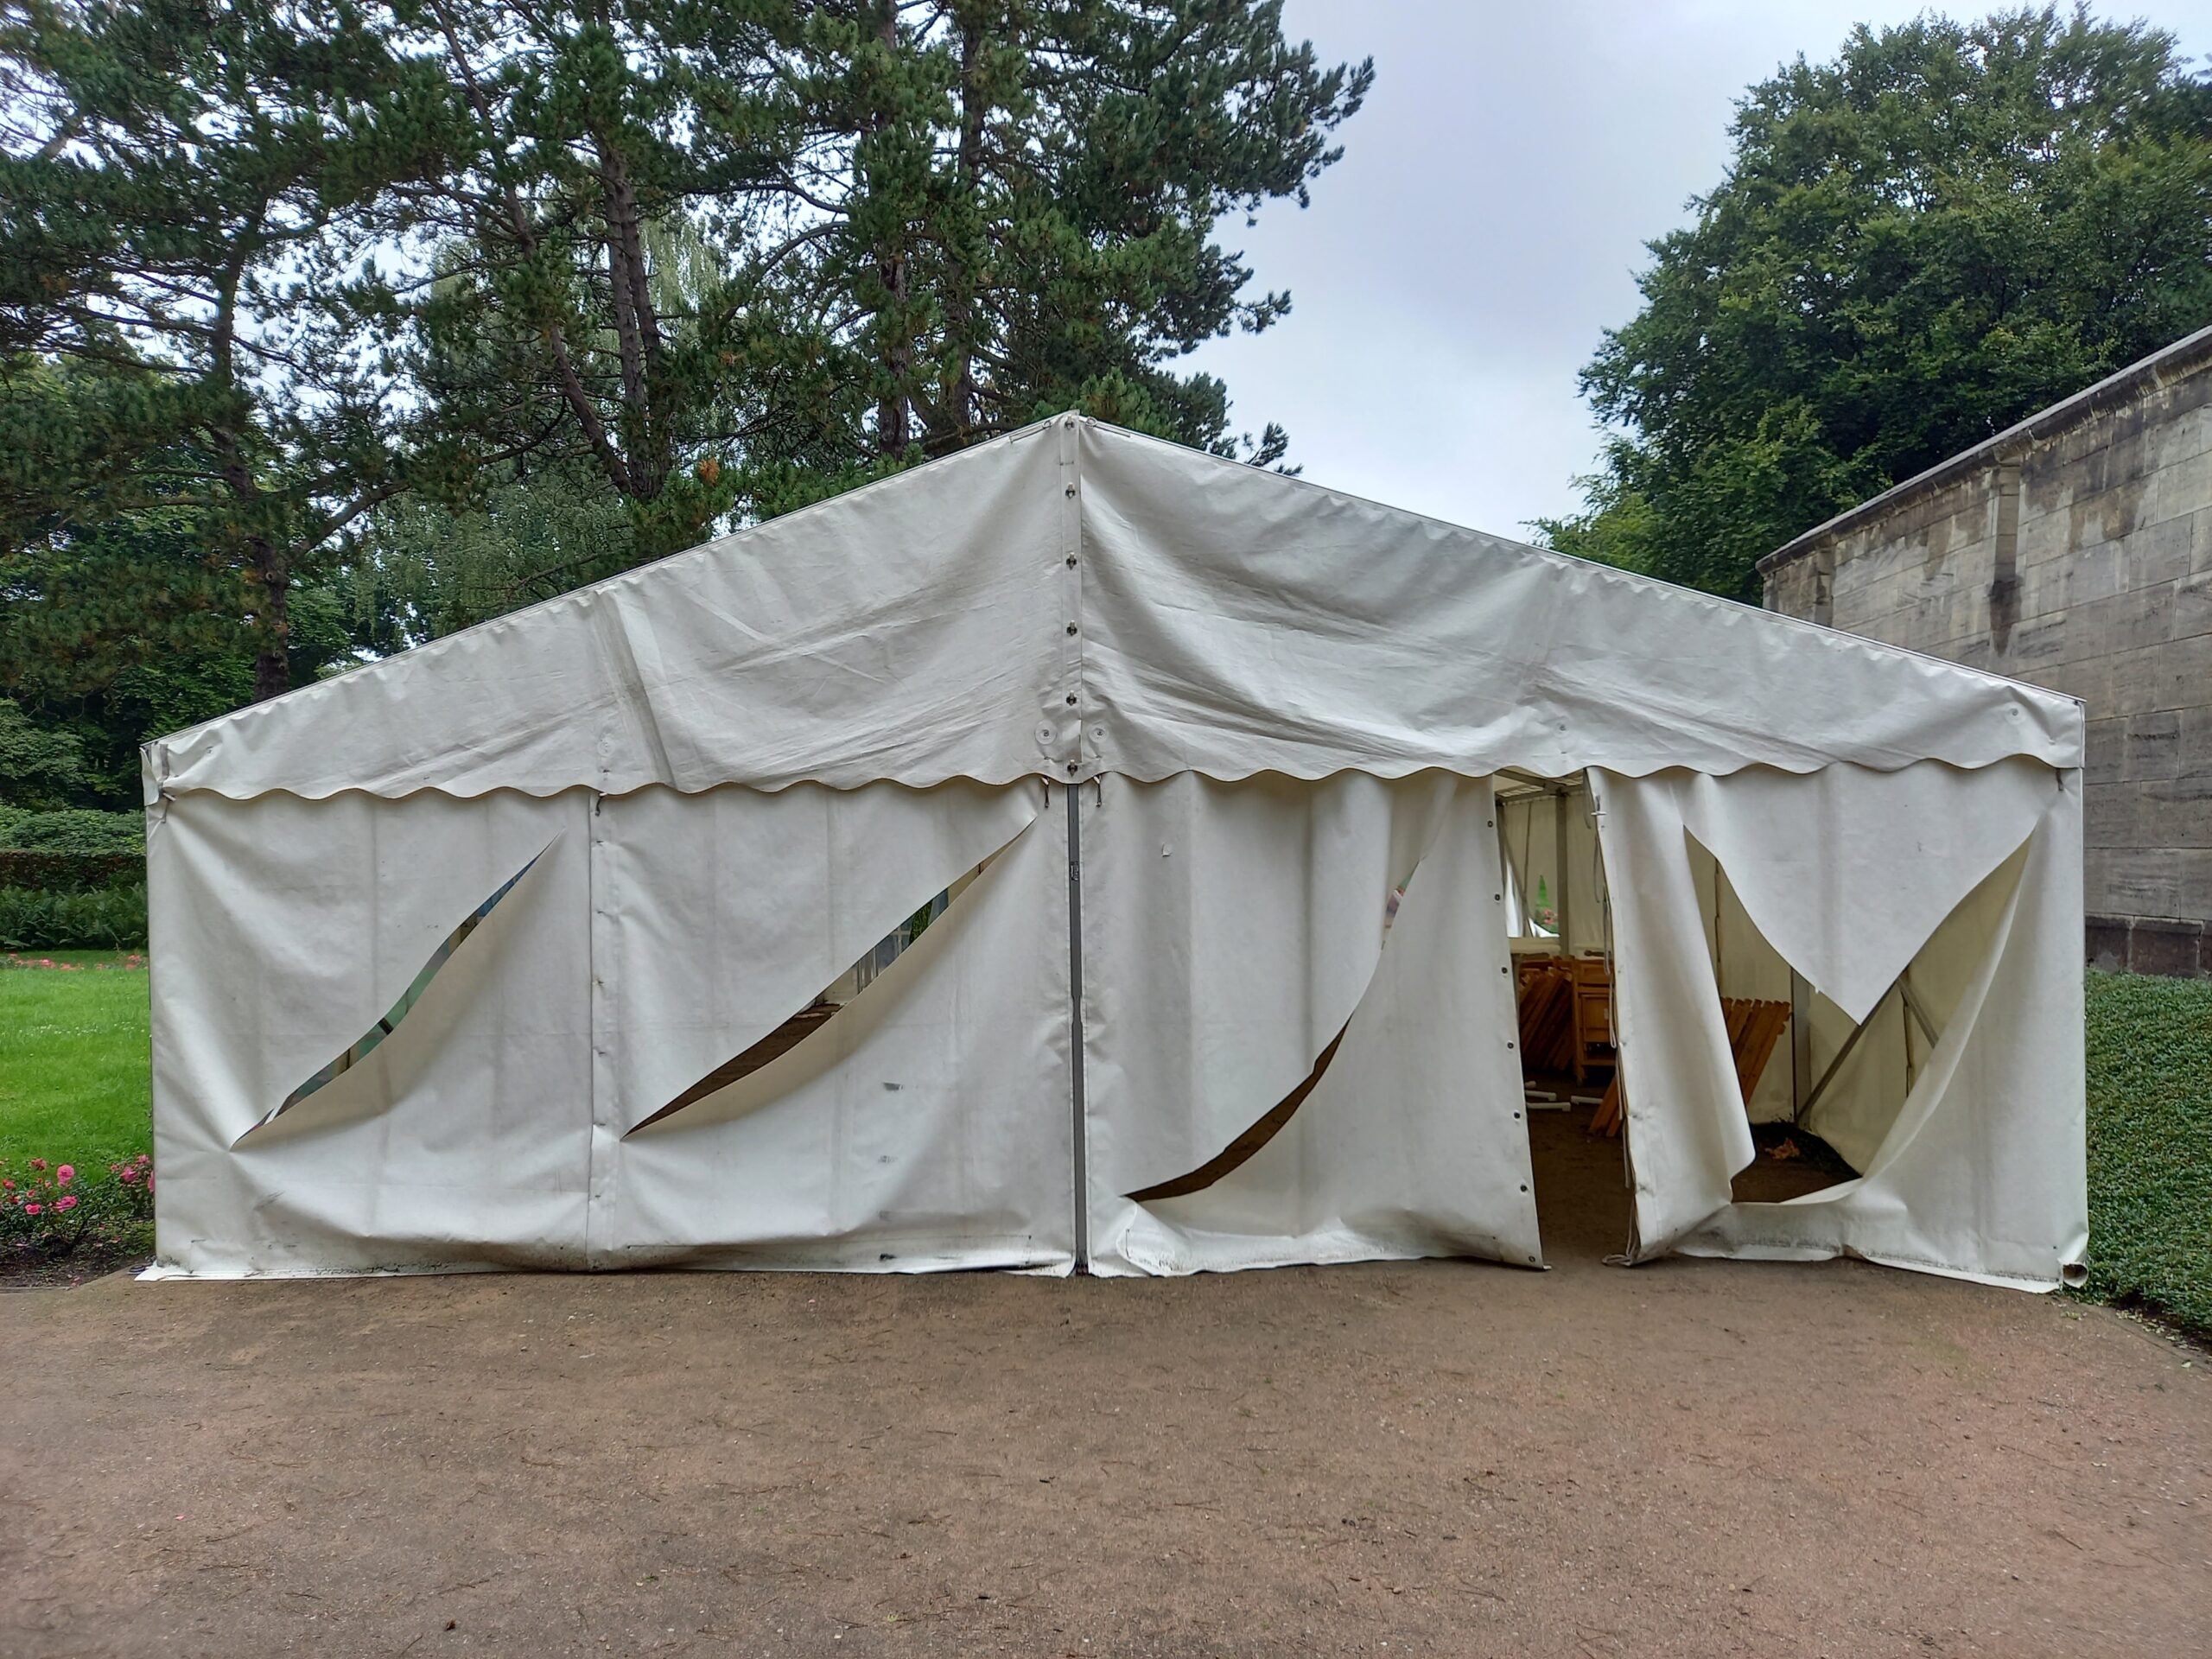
x: 1458, y: 267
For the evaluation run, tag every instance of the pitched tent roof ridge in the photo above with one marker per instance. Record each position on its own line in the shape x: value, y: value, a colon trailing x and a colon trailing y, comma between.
x: 1672, y: 592
x: 1104, y: 601
x: 575, y: 596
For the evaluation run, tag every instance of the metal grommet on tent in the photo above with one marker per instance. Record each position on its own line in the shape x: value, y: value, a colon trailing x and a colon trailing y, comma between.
x: 1071, y: 627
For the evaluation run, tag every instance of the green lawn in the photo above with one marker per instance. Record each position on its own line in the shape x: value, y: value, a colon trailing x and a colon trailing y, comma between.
x: 2150, y: 1144
x: 74, y: 1083
x: 73, y: 1086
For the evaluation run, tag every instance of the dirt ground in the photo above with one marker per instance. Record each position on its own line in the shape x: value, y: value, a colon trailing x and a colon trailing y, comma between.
x: 1432, y: 1458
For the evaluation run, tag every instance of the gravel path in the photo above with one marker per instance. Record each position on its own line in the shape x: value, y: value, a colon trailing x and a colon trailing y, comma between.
x: 1438, y: 1458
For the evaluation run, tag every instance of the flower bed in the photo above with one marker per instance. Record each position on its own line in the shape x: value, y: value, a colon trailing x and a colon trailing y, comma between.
x: 132, y: 960
x: 50, y: 1213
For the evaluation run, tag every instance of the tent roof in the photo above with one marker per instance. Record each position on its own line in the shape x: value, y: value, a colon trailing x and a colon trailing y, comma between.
x: 1074, y: 598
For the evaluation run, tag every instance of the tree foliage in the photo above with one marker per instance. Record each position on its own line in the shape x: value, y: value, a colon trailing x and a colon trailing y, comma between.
x: 1946, y: 228
x: 191, y: 327
x: 329, y: 325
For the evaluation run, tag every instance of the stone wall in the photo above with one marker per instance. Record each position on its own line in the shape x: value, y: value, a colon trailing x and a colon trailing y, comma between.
x: 2074, y: 551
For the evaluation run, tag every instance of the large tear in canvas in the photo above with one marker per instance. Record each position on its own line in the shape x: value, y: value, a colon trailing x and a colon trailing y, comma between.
x: 1236, y: 934
x: 1964, y: 885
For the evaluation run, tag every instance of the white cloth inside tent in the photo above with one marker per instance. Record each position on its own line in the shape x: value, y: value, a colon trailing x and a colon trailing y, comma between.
x: 1534, y: 830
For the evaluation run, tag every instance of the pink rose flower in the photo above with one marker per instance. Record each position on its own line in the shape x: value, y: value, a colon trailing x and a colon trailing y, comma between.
x: 66, y: 1174
x: 33, y: 1209
x: 149, y: 1183
x: 38, y: 1163
x: 127, y: 1172
x: 69, y: 1202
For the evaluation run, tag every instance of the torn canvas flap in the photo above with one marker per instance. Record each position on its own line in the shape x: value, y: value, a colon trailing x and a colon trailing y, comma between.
x: 462, y: 1137
x: 1235, y: 934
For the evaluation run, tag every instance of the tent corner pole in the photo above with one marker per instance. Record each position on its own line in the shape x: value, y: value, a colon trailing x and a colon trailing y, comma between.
x: 1079, y: 1142
x: 1562, y: 902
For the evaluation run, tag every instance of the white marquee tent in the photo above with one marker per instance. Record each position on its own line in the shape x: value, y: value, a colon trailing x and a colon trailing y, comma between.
x: 572, y: 940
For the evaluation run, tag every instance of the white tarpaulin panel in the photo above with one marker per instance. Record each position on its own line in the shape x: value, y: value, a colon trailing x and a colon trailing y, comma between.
x: 1845, y: 874
x: 1980, y: 1173
x: 1203, y: 616
x: 1239, y: 622
x: 286, y: 932
x: 927, y: 1124
x: 913, y: 631
x: 1231, y: 932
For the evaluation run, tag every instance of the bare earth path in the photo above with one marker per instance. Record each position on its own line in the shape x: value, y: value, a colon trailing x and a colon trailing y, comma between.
x: 1693, y: 1457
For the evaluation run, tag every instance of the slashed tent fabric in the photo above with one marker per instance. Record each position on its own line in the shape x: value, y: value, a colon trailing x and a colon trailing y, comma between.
x: 1850, y: 880
x: 561, y: 942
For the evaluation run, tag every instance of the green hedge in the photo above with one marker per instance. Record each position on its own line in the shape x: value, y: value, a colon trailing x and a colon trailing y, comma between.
x: 107, y: 918
x: 72, y: 877
x: 2150, y: 1144
x: 72, y: 831
x: 71, y: 872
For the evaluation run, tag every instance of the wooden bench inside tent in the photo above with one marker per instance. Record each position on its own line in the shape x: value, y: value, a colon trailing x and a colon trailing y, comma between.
x: 1755, y: 1027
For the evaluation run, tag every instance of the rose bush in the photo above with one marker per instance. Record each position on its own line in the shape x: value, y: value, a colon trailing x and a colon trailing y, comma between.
x: 49, y: 1212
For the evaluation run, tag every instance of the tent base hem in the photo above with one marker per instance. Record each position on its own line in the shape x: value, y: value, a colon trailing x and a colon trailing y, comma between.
x: 1048, y: 1264
x: 1745, y: 1251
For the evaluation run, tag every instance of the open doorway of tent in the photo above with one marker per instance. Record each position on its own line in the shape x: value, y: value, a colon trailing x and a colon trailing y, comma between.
x: 1553, y: 883
x: 1558, y: 923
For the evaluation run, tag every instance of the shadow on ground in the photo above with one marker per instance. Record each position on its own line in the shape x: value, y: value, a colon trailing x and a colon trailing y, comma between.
x: 1441, y: 1457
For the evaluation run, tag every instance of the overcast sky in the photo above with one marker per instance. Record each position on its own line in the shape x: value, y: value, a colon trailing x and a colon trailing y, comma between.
x: 1458, y: 265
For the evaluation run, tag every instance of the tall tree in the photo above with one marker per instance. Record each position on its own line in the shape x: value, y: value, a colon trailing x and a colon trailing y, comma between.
x: 407, y: 311
x: 1019, y: 202
x: 601, y: 287
x: 1946, y: 228
x: 190, y: 323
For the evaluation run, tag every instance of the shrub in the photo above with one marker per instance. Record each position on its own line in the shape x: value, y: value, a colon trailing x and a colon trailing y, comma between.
x: 76, y: 830
x: 2150, y: 1144
x: 71, y: 851
x: 107, y: 918
x: 49, y: 1212
x: 70, y: 872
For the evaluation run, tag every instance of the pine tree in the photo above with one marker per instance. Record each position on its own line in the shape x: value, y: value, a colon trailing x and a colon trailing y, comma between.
x: 600, y: 287
x: 1019, y: 200
x: 189, y: 323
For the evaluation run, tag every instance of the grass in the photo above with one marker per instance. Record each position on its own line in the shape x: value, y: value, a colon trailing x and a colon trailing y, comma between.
x: 74, y: 1063
x: 2150, y: 1145
x: 73, y: 1084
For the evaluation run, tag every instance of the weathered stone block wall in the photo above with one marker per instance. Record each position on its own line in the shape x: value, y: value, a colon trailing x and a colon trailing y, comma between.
x: 2109, y: 599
